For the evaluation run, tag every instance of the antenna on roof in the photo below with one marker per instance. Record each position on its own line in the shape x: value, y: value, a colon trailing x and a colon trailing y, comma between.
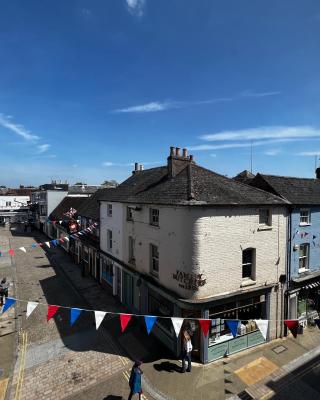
x: 251, y: 155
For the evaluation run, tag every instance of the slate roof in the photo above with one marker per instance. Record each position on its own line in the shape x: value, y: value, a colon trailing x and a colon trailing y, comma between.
x: 194, y: 185
x: 90, y: 207
x: 244, y: 176
x: 65, y: 205
x: 298, y: 191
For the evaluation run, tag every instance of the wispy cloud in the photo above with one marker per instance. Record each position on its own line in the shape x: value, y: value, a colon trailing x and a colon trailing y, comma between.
x: 264, y: 132
x: 309, y: 153
x: 136, y: 7
x: 155, y: 106
x: 42, y: 148
x: 131, y: 164
x: 272, y: 152
x: 85, y: 12
x: 6, y: 122
x: 203, y: 147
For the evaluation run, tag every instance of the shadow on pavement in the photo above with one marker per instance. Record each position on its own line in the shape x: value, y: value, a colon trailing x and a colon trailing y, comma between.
x: 167, y: 366
x: 112, y: 397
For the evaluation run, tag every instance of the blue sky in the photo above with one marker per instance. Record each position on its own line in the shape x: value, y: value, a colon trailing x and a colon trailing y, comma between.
x: 89, y: 87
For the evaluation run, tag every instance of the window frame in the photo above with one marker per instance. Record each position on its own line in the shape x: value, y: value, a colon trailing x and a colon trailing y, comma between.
x: 252, y: 265
x: 129, y: 214
x: 303, y: 223
x: 154, y: 258
x: 109, y: 239
x: 305, y: 258
x: 154, y: 219
x: 109, y: 210
x: 131, y: 250
x: 268, y: 222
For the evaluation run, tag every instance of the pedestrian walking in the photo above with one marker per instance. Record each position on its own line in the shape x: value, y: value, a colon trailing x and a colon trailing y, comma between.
x: 135, y: 380
x: 186, y: 351
x: 4, y: 289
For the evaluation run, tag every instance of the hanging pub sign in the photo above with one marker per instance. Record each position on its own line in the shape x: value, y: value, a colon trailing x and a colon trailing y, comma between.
x: 189, y: 281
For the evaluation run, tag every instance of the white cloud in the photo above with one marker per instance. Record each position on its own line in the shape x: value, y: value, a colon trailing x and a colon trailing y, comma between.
x: 309, y: 153
x: 42, y: 148
x: 136, y: 7
x: 155, y: 106
x: 264, y: 132
x: 213, y: 155
x: 203, y: 147
x: 131, y: 164
x: 272, y: 152
x: 5, y: 121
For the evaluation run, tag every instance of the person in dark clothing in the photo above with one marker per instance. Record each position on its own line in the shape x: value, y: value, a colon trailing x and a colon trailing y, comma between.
x: 135, y: 380
x: 4, y: 289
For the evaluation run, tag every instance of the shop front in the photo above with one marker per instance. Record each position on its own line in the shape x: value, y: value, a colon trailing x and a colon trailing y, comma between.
x: 106, y: 265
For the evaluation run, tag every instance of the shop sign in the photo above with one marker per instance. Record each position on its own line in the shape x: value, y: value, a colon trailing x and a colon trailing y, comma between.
x: 189, y: 281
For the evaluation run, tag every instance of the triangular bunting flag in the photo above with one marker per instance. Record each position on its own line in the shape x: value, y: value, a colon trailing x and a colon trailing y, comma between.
x: 30, y: 307
x: 177, y: 324
x: 205, y: 325
x: 11, y: 252
x: 150, y: 321
x: 233, y: 326
x: 9, y: 302
x: 51, y: 311
x: 66, y: 238
x: 314, y: 236
x: 317, y: 322
x: 124, y: 320
x: 60, y: 222
x: 61, y: 240
x: 48, y: 244
x: 23, y: 249
x: 292, y: 325
x: 74, y: 314
x: 262, y: 325
x: 99, y: 315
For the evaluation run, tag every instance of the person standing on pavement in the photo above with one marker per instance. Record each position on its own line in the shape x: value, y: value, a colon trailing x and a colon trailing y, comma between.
x: 186, y: 351
x: 4, y: 289
x: 135, y: 380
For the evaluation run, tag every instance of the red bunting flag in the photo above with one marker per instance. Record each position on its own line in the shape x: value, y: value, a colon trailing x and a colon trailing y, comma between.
x: 292, y: 325
x: 40, y: 244
x: 205, y: 324
x: 61, y: 240
x: 11, y: 252
x: 51, y: 311
x: 124, y: 320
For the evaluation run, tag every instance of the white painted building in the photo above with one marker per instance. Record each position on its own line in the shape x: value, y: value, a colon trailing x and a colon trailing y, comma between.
x: 181, y: 240
x: 14, y: 208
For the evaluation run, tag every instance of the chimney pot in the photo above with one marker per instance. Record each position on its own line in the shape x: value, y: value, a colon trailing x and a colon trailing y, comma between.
x: 318, y: 173
x: 178, y: 151
x: 141, y: 167
x: 185, y: 153
x: 136, y: 166
x: 191, y: 157
x: 171, y: 151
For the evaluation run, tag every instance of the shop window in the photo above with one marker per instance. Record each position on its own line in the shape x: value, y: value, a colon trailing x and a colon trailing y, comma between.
x: 305, y: 217
x: 304, y: 257
x: 154, y: 260
x: 129, y: 214
x: 158, y: 305
x: 265, y: 217
x: 109, y: 210
x: 107, y: 270
x: 131, y: 250
x: 154, y: 216
x: 109, y: 239
x: 248, y: 264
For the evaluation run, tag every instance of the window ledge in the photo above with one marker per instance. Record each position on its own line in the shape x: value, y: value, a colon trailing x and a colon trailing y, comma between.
x: 303, y: 270
x: 155, y: 275
x: 248, y: 282
x: 304, y: 224
x: 155, y: 225
x: 265, y: 228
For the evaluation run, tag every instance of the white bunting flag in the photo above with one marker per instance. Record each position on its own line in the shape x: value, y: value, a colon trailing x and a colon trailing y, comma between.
x: 177, y: 323
x: 66, y: 238
x: 99, y: 317
x: 60, y: 222
x: 23, y: 249
x: 262, y: 324
x: 48, y: 244
x: 30, y: 307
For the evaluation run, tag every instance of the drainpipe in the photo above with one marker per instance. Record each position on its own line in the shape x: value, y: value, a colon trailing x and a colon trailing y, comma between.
x: 288, y: 269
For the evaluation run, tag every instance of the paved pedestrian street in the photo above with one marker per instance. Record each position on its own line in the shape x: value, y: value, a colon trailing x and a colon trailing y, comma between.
x: 54, y: 360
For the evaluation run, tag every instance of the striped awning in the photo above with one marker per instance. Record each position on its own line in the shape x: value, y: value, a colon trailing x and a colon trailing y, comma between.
x: 311, y: 285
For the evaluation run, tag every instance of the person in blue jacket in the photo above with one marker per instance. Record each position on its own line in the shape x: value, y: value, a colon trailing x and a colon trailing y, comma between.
x: 135, y: 380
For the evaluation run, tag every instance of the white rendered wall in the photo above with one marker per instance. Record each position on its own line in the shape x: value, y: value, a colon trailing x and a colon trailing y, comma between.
x: 16, y: 202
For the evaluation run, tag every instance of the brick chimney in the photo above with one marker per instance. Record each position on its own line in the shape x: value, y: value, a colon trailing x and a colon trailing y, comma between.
x: 136, y: 168
x: 177, y: 162
x: 318, y: 173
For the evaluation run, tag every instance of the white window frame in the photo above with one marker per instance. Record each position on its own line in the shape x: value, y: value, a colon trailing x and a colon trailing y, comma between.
x: 109, y: 210
x: 305, y: 258
x: 265, y: 217
x: 252, y: 264
x: 154, y: 259
x: 109, y: 239
x: 154, y: 216
x: 307, y: 217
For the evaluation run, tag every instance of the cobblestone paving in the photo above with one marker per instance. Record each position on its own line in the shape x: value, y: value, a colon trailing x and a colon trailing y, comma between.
x: 55, y: 360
